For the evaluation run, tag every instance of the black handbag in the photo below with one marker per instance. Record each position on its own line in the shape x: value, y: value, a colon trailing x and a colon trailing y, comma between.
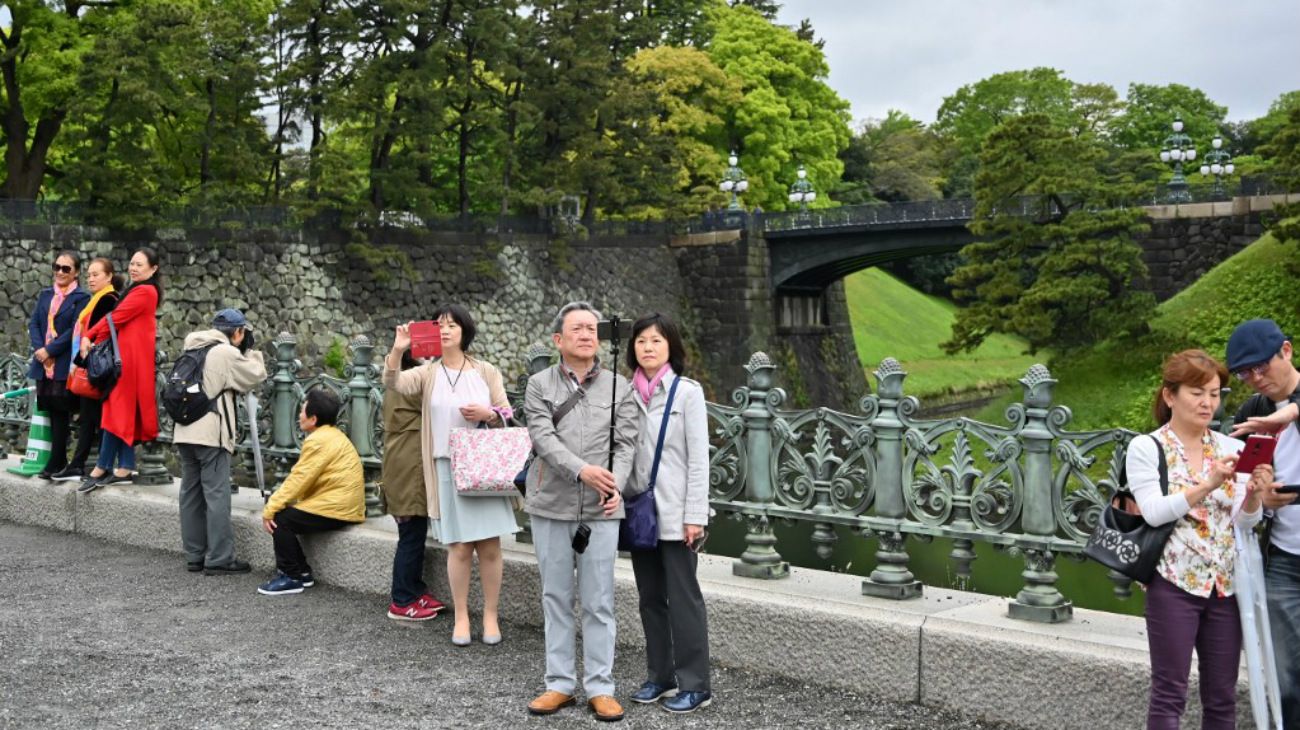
x: 639, y: 529
x: 104, y: 362
x: 1123, y: 541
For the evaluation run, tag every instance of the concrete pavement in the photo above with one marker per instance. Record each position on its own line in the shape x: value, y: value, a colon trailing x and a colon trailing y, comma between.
x: 99, y: 634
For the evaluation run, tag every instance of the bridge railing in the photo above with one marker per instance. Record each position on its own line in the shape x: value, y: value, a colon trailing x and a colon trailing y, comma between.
x: 920, y: 211
x: 1029, y: 486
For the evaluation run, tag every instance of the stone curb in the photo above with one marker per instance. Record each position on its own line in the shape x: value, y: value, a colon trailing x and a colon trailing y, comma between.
x: 948, y: 649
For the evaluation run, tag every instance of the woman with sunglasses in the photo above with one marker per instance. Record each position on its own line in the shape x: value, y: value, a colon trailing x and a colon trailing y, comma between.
x: 131, y: 408
x: 50, y: 327
x: 672, y: 606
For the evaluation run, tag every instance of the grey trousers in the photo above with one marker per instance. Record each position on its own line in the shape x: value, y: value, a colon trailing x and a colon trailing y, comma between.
x: 552, y: 540
x: 673, y: 616
x: 206, y: 533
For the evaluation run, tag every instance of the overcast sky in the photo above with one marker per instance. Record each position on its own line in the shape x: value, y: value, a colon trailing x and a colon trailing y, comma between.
x: 910, y: 54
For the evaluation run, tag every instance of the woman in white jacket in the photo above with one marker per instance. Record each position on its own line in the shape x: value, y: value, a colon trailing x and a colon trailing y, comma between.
x: 672, y: 606
x: 1190, y: 602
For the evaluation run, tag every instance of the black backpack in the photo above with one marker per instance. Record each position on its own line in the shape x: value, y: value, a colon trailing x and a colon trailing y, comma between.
x: 182, y: 394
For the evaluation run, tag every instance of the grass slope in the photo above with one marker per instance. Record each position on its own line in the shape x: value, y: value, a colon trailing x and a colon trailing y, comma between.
x: 1113, y: 383
x: 891, y: 319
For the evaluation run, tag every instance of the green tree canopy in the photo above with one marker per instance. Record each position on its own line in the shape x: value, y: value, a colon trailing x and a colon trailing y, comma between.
x: 894, y: 159
x: 970, y: 114
x: 1149, y: 110
x: 787, y: 115
x: 1055, y: 261
x: 1261, y: 131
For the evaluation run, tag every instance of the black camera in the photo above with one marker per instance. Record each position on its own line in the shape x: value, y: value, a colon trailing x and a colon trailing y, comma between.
x: 581, y: 537
x: 610, y: 329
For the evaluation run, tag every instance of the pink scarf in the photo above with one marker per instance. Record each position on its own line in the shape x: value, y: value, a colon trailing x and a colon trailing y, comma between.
x: 50, y: 334
x: 646, y: 386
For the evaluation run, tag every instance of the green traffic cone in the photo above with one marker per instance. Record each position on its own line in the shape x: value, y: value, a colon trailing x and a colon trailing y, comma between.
x: 38, y: 446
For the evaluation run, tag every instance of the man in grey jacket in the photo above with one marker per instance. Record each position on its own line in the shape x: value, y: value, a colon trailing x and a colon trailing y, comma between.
x: 569, y: 487
x: 231, y: 367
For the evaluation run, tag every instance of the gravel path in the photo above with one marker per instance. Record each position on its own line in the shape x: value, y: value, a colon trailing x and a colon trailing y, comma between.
x: 96, y: 634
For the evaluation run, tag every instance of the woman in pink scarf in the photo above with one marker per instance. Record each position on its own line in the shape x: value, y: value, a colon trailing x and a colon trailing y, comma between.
x: 676, y: 465
x: 50, y: 328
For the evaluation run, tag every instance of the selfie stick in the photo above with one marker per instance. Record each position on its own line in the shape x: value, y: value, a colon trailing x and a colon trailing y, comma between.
x: 613, y: 384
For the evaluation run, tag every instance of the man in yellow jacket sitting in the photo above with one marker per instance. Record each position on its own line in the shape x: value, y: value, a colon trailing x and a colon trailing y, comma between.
x: 324, y: 491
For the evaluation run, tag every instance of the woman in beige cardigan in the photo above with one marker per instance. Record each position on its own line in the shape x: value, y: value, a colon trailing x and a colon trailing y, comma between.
x: 458, y: 391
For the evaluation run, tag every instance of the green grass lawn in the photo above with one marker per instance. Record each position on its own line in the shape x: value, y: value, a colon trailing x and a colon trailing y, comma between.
x: 1113, y: 384
x: 891, y: 319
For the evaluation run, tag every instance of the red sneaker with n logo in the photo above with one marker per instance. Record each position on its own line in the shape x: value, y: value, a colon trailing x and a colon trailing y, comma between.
x: 431, y: 603
x: 413, y: 611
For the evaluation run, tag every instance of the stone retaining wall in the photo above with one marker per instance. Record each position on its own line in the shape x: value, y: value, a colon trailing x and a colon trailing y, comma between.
x: 329, y: 287
x: 1178, y: 251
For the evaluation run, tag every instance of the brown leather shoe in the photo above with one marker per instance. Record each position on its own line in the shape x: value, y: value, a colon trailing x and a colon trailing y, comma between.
x: 607, y: 708
x: 550, y: 702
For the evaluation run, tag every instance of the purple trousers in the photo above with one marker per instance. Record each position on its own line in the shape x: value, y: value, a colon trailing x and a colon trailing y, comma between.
x: 1177, y: 621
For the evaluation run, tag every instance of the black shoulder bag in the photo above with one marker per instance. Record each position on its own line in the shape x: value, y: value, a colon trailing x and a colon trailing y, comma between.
x: 104, y: 363
x: 1125, y: 542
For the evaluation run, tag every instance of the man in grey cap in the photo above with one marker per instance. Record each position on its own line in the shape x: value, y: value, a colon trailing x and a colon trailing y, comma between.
x: 227, y: 365
x: 1260, y: 356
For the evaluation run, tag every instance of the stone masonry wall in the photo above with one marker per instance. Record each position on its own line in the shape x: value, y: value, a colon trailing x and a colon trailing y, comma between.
x: 1178, y: 251
x: 326, y: 288
x: 323, y: 288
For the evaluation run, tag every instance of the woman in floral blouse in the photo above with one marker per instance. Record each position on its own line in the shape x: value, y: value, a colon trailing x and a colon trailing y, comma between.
x: 1190, y: 602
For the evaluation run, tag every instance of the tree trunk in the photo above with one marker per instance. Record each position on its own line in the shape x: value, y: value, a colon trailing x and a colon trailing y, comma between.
x: 209, y: 130
x: 316, y: 102
x: 24, y: 166
x: 512, y: 123
x: 103, y: 137
x: 382, y: 152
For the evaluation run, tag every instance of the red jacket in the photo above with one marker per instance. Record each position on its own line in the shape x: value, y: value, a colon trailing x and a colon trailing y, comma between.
x: 131, y: 410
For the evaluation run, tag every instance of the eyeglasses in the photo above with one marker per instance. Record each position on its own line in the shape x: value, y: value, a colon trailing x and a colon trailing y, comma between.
x: 61, y: 268
x: 1254, y: 371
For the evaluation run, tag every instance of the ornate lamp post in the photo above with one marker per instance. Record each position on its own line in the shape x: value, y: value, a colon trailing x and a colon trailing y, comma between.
x: 1218, y: 163
x: 802, y: 192
x: 1178, y: 148
x: 734, y: 181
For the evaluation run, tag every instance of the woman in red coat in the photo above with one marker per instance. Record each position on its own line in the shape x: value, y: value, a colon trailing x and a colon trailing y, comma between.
x: 131, y: 409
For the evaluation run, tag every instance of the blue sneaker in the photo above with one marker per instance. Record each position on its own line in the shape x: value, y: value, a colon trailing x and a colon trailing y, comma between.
x: 651, y: 692
x: 687, y: 702
x: 306, y: 580
x: 280, y: 585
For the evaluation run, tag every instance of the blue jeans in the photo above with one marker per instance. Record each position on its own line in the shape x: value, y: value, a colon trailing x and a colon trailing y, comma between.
x: 408, y: 561
x: 113, y: 449
x: 1282, y: 578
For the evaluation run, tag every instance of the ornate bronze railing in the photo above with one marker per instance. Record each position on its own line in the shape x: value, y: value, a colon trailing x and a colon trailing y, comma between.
x: 1029, y: 486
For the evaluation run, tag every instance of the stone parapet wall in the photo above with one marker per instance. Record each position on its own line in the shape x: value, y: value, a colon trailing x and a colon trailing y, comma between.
x: 1178, y: 251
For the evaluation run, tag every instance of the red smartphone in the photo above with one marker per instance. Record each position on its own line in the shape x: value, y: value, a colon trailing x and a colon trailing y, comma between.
x: 1258, y: 450
x: 426, y: 340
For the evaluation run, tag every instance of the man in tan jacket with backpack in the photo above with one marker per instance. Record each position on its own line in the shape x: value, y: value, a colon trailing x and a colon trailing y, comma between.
x: 216, y: 365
